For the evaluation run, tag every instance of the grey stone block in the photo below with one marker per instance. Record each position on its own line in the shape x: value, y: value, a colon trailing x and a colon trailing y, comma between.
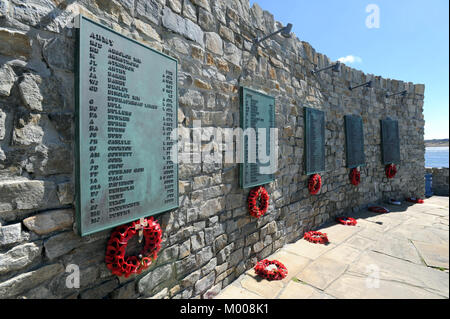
x: 154, y: 278
x: 48, y: 222
x: 19, y: 257
x: 61, y: 244
x: 26, y: 281
x: 10, y: 234
x: 7, y: 80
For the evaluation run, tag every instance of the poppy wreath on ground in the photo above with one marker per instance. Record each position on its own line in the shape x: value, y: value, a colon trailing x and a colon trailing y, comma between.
x: 121, y: 265
x: 271, y: 270
x: 258, y: 194
x: 379, y: 210
x: 316, y: 237
x: 415, y: 200
x: 391, y: 171
x: 314, y: 184
x: 348, y: 221
x: 355, y: 176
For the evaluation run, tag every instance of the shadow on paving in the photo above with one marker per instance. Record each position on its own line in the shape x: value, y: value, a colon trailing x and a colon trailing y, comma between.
x: 399, y: 255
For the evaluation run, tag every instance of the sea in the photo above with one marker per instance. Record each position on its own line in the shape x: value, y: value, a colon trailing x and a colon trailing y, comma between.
x: 436, y: 157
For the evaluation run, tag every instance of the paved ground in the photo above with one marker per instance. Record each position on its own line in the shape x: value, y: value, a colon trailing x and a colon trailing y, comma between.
x: 403, y: 254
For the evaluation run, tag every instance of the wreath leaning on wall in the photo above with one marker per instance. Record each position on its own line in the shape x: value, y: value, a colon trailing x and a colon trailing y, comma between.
x: 315, y: 184
x: 121, y: 265
x: 355, y: 176
x: 391, y: 171
x: 258, y: 194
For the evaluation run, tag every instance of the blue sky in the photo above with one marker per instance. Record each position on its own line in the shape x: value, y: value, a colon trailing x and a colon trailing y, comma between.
x: 411, y: 43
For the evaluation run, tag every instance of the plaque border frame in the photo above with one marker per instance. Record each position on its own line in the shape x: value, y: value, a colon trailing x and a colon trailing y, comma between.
x: 312, y: 172
x: 77, y: 145
x: 346, y: 142
x: 242, y: 90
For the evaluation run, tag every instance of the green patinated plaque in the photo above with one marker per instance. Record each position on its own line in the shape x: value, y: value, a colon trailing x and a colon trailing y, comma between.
x: 354, y: 137
x: 390, y: 142
x: 126, y: 100
x: 257, y: 113
x: 314, y: 141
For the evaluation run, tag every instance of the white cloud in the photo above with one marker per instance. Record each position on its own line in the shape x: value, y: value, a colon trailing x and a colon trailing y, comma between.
x: 350, y: 59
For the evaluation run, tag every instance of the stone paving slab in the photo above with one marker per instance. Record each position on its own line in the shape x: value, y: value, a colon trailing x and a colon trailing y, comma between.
x: 299, y: 290
x: 418, y: 233
x: 344, y: 253
x: 441, y: 201
x: 438, y: 212
x: 322, y: 272
x: 421, y: 219
x: 357, y: 287
x: 441, y: 226
x: 397, y: 216
x: 371, y: 234
x: 338, y: 234
x: 434, y: 255
x: 422, y: 208
x: 294, y: 263
x: 264, y: 288
x: 361, y: 243
x: 307, y: 249
x: 398, y: 247
x: 371, y: 225
x: 385, y: 223
x: 393, y: 269
x: 400, y: 255
x: 233, y: 292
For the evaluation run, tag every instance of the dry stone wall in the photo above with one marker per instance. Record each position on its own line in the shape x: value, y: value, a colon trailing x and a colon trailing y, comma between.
x: 211, y: 239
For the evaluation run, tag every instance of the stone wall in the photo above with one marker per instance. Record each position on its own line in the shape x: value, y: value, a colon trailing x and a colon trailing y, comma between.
x: 211, y: 239
x: 440, y: 180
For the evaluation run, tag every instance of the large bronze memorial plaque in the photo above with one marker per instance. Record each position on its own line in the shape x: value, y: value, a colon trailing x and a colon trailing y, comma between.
x: 354, y: 137
x: 314, y: 141
x: 126, y: 110
x: 390, y: 142
x: 257, y: 112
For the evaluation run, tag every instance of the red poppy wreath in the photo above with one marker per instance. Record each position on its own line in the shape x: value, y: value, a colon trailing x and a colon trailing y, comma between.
x: 391, y: 171
x: 271, y: 270
x: 415, y: 200
x: 355, y: 177
x: 316, y: 237
x: 348, y: 221
x: 379, y: 210
x: 315, y: 184
x: 121, y: 265
x: 258, y: 194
